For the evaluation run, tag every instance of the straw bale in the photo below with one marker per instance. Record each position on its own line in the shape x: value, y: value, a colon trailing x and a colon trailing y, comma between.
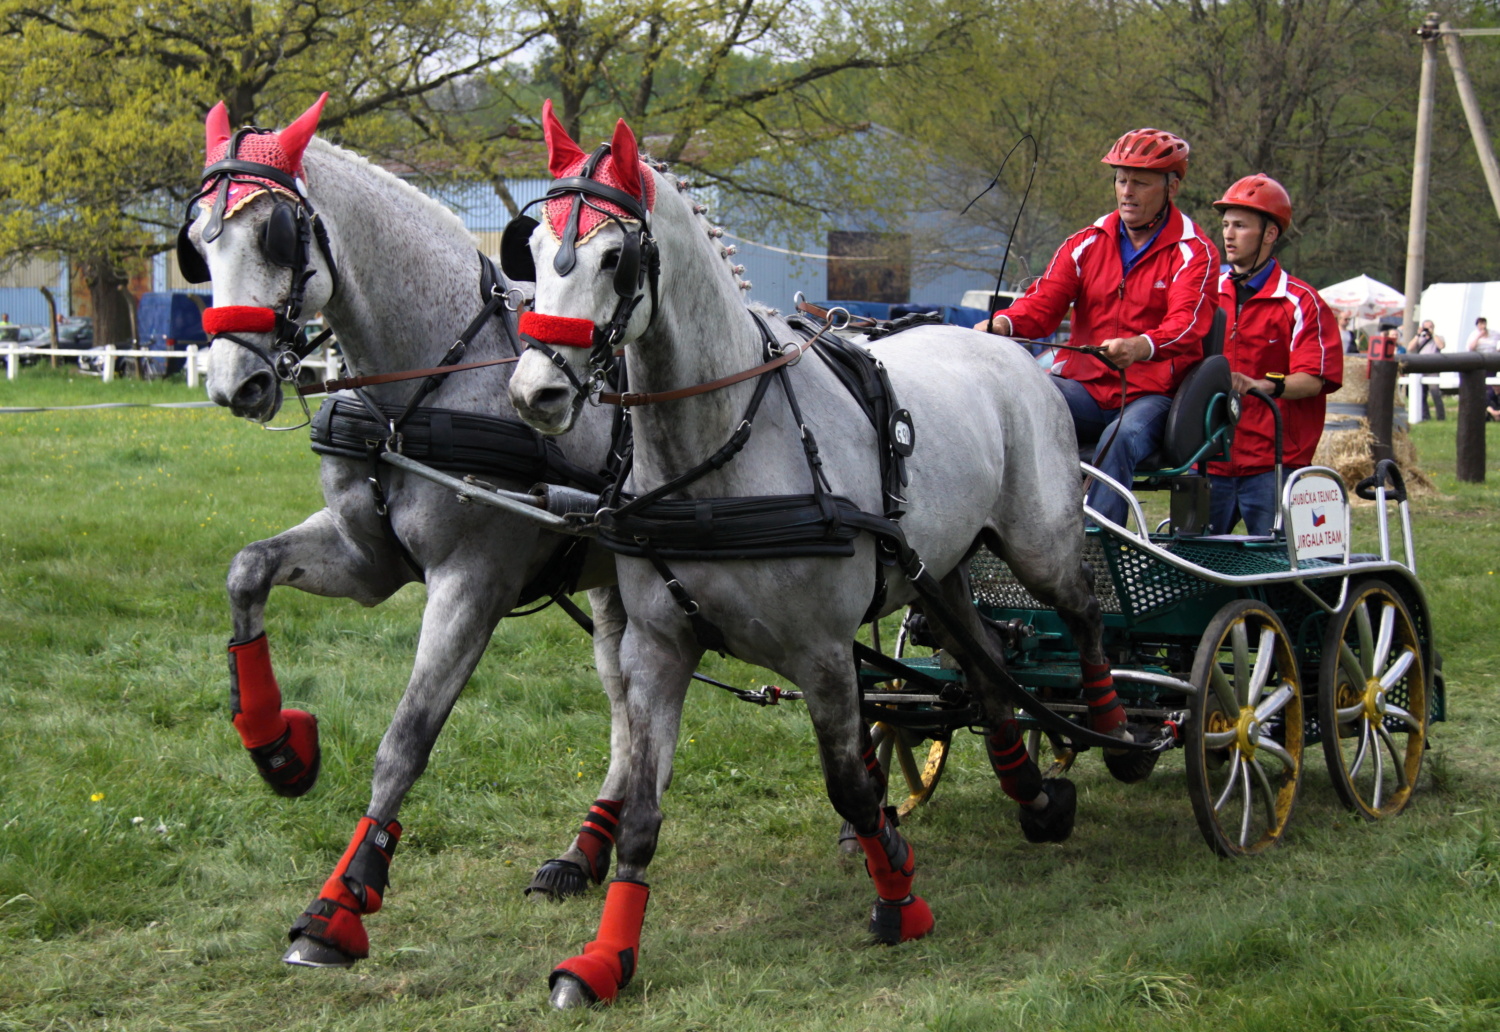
x: 1356, y: 388
x: 1348, y: 453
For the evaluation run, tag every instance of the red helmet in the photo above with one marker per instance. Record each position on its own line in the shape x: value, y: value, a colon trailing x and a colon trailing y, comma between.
x: 1259, y: 193
x: 1151, y: 149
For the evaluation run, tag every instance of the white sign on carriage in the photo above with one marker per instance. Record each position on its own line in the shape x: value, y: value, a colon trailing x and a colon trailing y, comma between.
x: 1318, y: 517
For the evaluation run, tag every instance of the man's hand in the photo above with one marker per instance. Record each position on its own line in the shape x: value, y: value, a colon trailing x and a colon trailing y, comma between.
x: 995, y: 324
x: 1245, y: 384
x: 1125, y: 352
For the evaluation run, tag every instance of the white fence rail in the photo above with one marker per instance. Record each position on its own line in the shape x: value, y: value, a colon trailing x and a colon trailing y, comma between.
x: 195, y: 364
x: 1415, y: 385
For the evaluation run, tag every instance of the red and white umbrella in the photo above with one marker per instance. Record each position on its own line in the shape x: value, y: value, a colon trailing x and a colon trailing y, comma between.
x: 1364, y: 297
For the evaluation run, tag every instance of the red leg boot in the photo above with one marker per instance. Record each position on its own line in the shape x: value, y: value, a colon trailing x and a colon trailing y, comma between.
x: 898, y: 916
x: 283, y: 743
x: 607, y: 964
x: 1107, y: 717
x: 329, y: 933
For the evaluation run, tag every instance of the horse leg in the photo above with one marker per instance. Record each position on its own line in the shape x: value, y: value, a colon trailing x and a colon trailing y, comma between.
x: 587, y: 858
x: 462, y: 609
x: 1064, y: 584
x: 655, y: 677
x: 1048, y: 806
x: 855, y: 787
x: 316, y: 556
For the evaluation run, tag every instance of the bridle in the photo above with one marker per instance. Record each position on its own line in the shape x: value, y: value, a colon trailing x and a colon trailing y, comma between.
x: 639, y: 265
x: 286, y: 240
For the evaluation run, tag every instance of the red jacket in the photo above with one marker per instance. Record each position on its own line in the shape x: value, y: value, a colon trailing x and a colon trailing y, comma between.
x: 1168, y: 295
x: 1284, y: 328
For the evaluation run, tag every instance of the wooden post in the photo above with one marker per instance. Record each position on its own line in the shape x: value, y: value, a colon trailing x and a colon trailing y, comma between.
x: 1471, y: 112
x: 1416, y: 233
x: 1470, y: 457
x: 1380, y: 408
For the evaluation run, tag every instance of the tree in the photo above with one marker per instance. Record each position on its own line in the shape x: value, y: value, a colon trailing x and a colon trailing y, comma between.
x: 103, y: 104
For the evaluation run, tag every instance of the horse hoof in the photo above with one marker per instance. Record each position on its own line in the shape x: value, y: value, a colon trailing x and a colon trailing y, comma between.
x: 1055, y: 823
x: 1130, y: 765
x: 557, y: 880
x: 569, y: 993
x: 848, y: 841
x: 893, y: 923
x: 307, y: 952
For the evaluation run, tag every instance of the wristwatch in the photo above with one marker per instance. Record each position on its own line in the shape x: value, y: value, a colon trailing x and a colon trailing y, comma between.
x: 1278, y: 384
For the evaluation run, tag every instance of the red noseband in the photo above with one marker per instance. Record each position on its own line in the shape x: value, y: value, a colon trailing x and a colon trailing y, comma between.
x: 558, y: 329
x: 238, y: 319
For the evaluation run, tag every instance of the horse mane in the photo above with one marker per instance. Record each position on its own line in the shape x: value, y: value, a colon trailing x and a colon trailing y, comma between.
x: 442, y: 216
x: 714, y: 233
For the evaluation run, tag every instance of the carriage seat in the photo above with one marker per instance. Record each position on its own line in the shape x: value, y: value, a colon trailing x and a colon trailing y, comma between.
x: 1194, y: 414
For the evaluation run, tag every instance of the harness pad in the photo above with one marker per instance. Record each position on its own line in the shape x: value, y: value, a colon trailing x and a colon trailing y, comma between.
x: 765, y: 527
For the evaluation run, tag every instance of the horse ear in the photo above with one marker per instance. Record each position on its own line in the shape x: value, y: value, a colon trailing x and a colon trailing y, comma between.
x: 562, y: 152
x: 294, y: 137
x: 627, y: 159
x: 215, y: 129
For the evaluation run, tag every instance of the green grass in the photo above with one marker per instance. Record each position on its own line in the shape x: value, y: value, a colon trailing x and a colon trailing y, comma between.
x: 116, y: 528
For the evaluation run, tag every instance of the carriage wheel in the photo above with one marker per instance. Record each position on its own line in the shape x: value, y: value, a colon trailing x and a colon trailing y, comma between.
x: 1062, y: 756
x: 1244, y: 741
x: 897, y: 751
x: 1372, y: 702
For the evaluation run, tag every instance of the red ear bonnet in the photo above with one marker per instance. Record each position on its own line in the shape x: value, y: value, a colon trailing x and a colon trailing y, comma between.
x: 282, y: 150
x: 562, y: 152
x: 621, y: 168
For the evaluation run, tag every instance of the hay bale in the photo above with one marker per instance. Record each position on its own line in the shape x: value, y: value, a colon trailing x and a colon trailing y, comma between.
x: 1347, y: 452
x: 1356, y: 386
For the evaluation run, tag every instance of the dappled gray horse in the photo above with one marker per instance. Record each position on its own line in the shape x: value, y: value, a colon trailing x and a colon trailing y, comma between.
x: 397, y: 276
x: 993, y: 462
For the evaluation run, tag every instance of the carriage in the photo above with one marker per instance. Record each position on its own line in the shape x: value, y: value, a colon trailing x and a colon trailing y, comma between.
x: 1244, y: 652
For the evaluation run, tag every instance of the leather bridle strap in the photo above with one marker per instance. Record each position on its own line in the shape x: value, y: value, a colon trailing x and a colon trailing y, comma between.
x: 349, y: 383
x: 630, y: 399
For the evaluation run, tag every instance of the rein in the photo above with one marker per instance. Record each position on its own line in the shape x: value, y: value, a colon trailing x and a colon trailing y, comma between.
x: 790, y: 353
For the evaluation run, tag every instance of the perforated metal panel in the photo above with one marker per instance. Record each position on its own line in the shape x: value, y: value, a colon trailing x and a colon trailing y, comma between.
x: 995, y: 585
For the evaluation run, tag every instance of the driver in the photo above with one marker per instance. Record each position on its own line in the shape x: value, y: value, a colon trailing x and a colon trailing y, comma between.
x: 1141, y: 284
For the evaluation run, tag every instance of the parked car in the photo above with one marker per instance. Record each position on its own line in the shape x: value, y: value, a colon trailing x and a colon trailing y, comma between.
x: 170, y: 322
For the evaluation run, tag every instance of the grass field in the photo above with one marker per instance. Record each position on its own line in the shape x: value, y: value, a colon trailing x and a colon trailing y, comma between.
x: 147, y: 877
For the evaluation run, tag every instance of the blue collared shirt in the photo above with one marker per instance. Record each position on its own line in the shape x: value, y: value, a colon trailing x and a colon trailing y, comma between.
x: 1129, y: 253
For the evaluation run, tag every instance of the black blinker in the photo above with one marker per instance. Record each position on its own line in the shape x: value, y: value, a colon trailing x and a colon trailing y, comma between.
x: 278, y: 236
x: 515, y: 250
x: 628, y: 271
x: 190, y: 260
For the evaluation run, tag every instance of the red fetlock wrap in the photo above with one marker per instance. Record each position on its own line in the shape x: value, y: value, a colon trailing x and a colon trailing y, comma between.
x: 283, y: 743
x: 1018, y: 773
x: 356, y: 886
x: 1105, y: 711
x: 608, y: 963
x: 889, y: 860
x: 254, y: 695
x: 596, y: 838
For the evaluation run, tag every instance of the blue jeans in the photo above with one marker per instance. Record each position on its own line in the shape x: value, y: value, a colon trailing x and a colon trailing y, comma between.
x: 1142, y: 423
x: 1253, y: 498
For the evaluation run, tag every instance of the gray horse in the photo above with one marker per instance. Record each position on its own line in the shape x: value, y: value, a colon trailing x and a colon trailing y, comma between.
x: 408, y: 277
x: 994, y: 463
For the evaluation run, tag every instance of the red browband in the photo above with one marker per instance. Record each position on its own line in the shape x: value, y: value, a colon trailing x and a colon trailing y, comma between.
x: 238, y: 319
x: 558, y: 329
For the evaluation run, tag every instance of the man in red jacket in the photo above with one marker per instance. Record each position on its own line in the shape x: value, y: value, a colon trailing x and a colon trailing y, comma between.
x: 1140, y: 283
x: 1281, y: 338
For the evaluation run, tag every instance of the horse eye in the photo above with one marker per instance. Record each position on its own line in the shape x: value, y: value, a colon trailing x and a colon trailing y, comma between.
x: 611, y: 259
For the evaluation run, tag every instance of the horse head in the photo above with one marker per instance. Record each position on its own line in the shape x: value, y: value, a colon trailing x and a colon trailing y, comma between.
x: 255, y: 235
x: 595, y: 261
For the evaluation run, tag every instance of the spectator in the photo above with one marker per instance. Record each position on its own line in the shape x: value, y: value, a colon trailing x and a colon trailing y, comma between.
x: 1482, y: 339
x: 1346, y: 333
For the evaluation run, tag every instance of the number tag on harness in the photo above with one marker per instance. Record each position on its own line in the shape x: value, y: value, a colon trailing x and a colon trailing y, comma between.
x: 903, y: 433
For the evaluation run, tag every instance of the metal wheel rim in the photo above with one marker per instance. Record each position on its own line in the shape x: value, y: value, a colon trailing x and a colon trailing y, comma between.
x: 1372, y: 702
x: 1244, y: 739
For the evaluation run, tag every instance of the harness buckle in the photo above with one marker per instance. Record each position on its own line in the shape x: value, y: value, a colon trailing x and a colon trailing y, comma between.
x: 515, y: 298
x: 687, y: 602
x: 380, y: 507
